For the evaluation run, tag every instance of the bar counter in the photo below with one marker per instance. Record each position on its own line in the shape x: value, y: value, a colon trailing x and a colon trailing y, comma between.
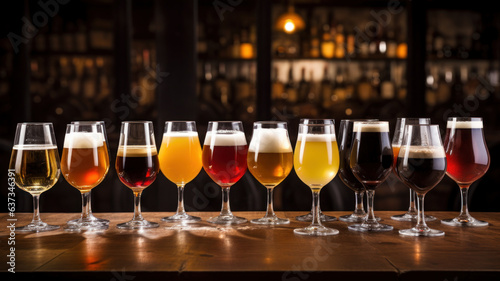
x: 251, y: 252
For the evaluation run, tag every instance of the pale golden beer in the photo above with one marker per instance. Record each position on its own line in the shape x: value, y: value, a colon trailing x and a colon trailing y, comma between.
x: 316, y: 159
x: 180, y: 156
x: 85, y: 160
x: 36, y: 167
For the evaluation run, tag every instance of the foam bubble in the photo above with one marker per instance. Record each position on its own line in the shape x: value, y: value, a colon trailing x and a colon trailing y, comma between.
x: 83, y: 140
x: 136, y: 150
x: 422, y: 152
x: 225, y: 138
x: 270, y: 140
x: 316, y: 137
x: 376, y: 127
x: 465, y: 124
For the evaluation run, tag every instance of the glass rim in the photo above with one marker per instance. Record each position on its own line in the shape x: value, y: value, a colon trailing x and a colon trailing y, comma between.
x: 270, y: 122
x: 465, y: 119
x: 413, y: 118
x: 360, y: 120
x: 89, y: 122
x: 225, y: 122
x: 179, y: 121
x: 35, y: 123
x: 372, y: 122
x: 136, y: 122
x: 422, y: 125
x: 316, y: 119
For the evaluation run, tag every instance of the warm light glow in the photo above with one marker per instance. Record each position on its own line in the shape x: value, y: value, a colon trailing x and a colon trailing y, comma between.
x: 290, y: 22
x: 402, y: 51
x: 289, y: 26
x: 246, y: 51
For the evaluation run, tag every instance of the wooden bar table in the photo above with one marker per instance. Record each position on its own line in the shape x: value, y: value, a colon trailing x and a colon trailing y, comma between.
x: 204, y: 251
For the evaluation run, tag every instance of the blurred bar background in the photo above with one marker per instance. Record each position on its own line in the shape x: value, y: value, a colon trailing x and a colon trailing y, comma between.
x: 117, y: 60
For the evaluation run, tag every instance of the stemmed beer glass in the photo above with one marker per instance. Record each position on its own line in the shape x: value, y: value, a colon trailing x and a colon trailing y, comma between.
x: 137, y: 166
x: 468, y: 160
x: 84, y: 165
x: 180, y: 161
x: 309, y: 217
x: 35, y: 167
x: 224, y: 158
x: 421, y: 165
x: 371, y: 163
x: 316, y: 162
x: 270, y: 160
x: 397, y: 140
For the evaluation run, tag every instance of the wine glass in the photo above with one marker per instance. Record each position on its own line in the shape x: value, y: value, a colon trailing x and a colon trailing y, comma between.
x: 270, y: 161
x: 345, y: 172
x: 397, y: 139
x: 421, y: 166
x: 180, y: 161
x: 316, y: 162
x: 137, y: 166
x: 468, y: 160
x: 91, y: 215
x: 371, y: 163
x: 224, y: 158
x: 35, y: 166
x: 309, y: 217
x: 84, y: 165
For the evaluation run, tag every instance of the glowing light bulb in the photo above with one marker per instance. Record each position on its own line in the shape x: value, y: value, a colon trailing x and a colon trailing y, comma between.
x: 289, y: 26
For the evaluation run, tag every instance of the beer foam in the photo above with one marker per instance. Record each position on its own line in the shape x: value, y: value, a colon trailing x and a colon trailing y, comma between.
x: 465, y: 124
x: 316, y: 137
x: 83, y: 140
x: 180, y: 134
x: 34, y: 146
x: 270, y: 140
x: 422, y: 152
x: 136, y: 150
x: 225, y: 138
x: 376, y: 127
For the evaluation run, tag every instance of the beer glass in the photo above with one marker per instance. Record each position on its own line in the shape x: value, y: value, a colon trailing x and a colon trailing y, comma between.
x: 316, y: 162
x: 468, y: 160
x: 91, y: 216
x: 84, y: 165
x: 371, y: 162
x: 34, y: 164
x: 308, y: 217
x: 224, y: 158
x: 421, y: 165
x: 270, y: 160
x: 137, y: 166
x: 397, y: 139
x: 345, y: 172
x: 180, y: 161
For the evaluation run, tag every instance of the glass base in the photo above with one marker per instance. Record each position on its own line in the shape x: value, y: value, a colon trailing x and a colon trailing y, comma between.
x: 469, y: 222
x: 363, y: 227
x: 79, y: 225
x: 137, y: 224
x: 37, y: 227
x: 355, y: 218
x: 271, y: 220
x: 421, y: 232
x: 227, y: 219
x: 411, y: 217
x: 91, y: 218
x: 181, y: 218
x: 322, y: 217
x: 316, y: 231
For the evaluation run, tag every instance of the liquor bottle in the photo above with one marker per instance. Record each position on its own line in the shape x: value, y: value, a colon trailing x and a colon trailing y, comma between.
x: 339, y: 88
x: 382, y: 43
x: 364, y: 86
x: 340, y: 43
x: 246, y: 47
x: 438, y: 44
x: 202, y: 41
x: 243, y: 87
x: 222, y: 86
x: 457, y: 86
x: 387, y: 87
x: 443, y: 88
x: 326, y: 89
x: 315, y: 42
x: 461, y: 52
x: 304, y: 87
x: 290, y: 87
x: 68, y: 39
x: 350, y: 43
x: 475, y: 44
x: 327, y: 43
x: 431, y: 86
x: 236, y: 46
x: 206, y: 84
x: 81, y: 37
x: 277, y: 87
x: 392, y: 44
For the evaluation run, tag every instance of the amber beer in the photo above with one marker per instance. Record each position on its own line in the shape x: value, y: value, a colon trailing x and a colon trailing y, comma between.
x: 137, y: 166
x: 466, y: 151
x: 270, y: 156
x: 85, y: 160
x: 35, y: 166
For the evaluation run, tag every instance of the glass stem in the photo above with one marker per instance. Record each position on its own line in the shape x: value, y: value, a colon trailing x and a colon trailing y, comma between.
x: 137, y: 206
x: 86, y: 206
x: 36, y: 210
x: 371, y: 215
x: 180, y: 200
x: 358, y: 201
x: 412, y: 209
x: 316, y: 221
x: 464, y: 212
x: 226, y: 210
x: 270, y: 208
x: 421, y: 225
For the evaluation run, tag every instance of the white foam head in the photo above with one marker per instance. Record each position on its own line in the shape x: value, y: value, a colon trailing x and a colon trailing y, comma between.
x: 225, y: 138
x: 270, y: 140
x: 371, y: 127
x: 136, y: 150
x: 83, y: 140
x: 422, y: 152
x: 316, y: 137
x: 185, y: 134
x: 34, y: 146
x: 464, y: 124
